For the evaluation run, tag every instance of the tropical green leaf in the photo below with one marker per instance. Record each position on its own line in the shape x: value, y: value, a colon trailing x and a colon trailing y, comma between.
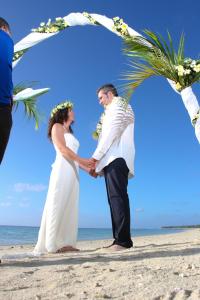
x: 23, y: 85
x: 180, y: 56
x: 152, y: 55
x: 30, y: 103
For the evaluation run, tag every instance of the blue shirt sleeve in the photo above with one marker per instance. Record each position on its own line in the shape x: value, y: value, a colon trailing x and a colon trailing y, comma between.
x: 6, y: 57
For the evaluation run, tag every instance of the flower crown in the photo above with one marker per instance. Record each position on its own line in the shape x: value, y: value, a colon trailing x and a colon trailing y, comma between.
x: 66, y: 104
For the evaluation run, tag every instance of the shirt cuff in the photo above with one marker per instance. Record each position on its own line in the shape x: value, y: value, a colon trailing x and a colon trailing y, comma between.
x: 98, y: 155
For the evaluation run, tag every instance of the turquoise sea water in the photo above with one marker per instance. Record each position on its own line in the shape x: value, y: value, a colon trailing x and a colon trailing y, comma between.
x: 17, y: 235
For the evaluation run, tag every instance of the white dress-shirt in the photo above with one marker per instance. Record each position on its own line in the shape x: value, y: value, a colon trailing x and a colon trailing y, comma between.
x: 117, y: 136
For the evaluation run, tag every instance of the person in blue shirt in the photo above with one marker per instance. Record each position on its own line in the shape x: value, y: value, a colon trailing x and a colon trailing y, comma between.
x: 6, y: 84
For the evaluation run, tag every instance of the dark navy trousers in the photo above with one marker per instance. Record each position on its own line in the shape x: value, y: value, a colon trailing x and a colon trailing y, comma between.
x: 116, y: 178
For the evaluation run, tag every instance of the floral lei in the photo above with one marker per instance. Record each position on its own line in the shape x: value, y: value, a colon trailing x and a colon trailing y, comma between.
x: 98, y: 130
x: 123, y: 102
x: 66, y: 104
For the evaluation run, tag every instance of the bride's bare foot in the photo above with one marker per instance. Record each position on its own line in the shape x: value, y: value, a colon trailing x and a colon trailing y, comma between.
x: 66, y: 249
x: 73, y: 249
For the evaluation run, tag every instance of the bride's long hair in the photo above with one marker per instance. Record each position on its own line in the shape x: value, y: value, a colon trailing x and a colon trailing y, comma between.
x: 60, y: 117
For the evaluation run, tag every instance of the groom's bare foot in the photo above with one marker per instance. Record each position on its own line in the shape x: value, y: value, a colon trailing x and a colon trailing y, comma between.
x: 116, y: 247
x: 66, y: 249
x: 105, y: 247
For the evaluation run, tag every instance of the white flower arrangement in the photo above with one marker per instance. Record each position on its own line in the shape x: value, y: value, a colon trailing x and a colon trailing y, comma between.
x: 120, y: 26
x: 18, y: 54
x: 51, y: 27
x: 90, y: 18
x: 197, y: 116
x: 187, y: 73
x: 63, y: 105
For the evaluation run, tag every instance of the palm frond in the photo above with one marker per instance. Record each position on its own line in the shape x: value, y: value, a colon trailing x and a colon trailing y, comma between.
x: 31, y: 111
x: 171, y: 47
x: 23, y: 85
x: 153, y: 52
x: 136, y: 78
x: 143, y: 72
x: 23, y: 93
x: 157, y: 42
x: 152, y: 55
x: 180, y: 55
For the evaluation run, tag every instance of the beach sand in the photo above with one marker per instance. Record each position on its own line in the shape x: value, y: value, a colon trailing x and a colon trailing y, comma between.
x: 157, y: 267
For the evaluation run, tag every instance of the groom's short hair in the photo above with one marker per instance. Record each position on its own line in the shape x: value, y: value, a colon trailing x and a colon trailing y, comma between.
x: 4, y: 23
x: 108, y: 88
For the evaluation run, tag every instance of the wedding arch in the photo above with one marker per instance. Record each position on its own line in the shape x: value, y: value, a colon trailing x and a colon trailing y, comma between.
x: 115, y: 25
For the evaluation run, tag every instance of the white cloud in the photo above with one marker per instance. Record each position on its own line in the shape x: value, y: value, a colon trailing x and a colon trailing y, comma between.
x: 5, y: 204
x: 22, y: 187
x: 24, y: 204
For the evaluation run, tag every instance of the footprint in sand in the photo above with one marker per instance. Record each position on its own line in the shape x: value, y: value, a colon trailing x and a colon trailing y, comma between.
x: 180, y: 294
x: 16, y: 289
x: 86, y: 265
x: 70, y: 268
x: 30, y: 272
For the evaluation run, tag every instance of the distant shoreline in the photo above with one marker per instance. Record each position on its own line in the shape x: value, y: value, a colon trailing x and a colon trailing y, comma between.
x: 19, y: 235
x: 109, y: 228
x: 181, y: 227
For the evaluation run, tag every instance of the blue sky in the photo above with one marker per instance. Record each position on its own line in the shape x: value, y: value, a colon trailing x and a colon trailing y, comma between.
x: 165, y: 190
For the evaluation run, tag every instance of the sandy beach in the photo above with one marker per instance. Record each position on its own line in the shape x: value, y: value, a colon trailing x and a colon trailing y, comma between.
x: 157, y: 267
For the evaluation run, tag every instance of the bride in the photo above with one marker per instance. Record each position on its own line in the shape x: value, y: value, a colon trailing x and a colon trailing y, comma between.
x: 59, y: 225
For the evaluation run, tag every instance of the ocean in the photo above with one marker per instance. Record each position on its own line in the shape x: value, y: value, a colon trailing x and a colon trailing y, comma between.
x: 19, y: 235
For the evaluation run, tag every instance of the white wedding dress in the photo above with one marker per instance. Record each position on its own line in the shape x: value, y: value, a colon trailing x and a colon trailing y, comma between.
x: 59, y: 225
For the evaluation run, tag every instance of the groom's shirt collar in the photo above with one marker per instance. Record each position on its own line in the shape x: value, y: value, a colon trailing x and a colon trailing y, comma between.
x: 113, y: 100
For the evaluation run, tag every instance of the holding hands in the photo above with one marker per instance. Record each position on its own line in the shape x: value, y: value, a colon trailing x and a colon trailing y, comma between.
x: 92, y: 171
x: 88, y: 165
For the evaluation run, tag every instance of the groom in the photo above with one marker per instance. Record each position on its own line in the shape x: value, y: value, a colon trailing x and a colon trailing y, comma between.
x: 113, y: 158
